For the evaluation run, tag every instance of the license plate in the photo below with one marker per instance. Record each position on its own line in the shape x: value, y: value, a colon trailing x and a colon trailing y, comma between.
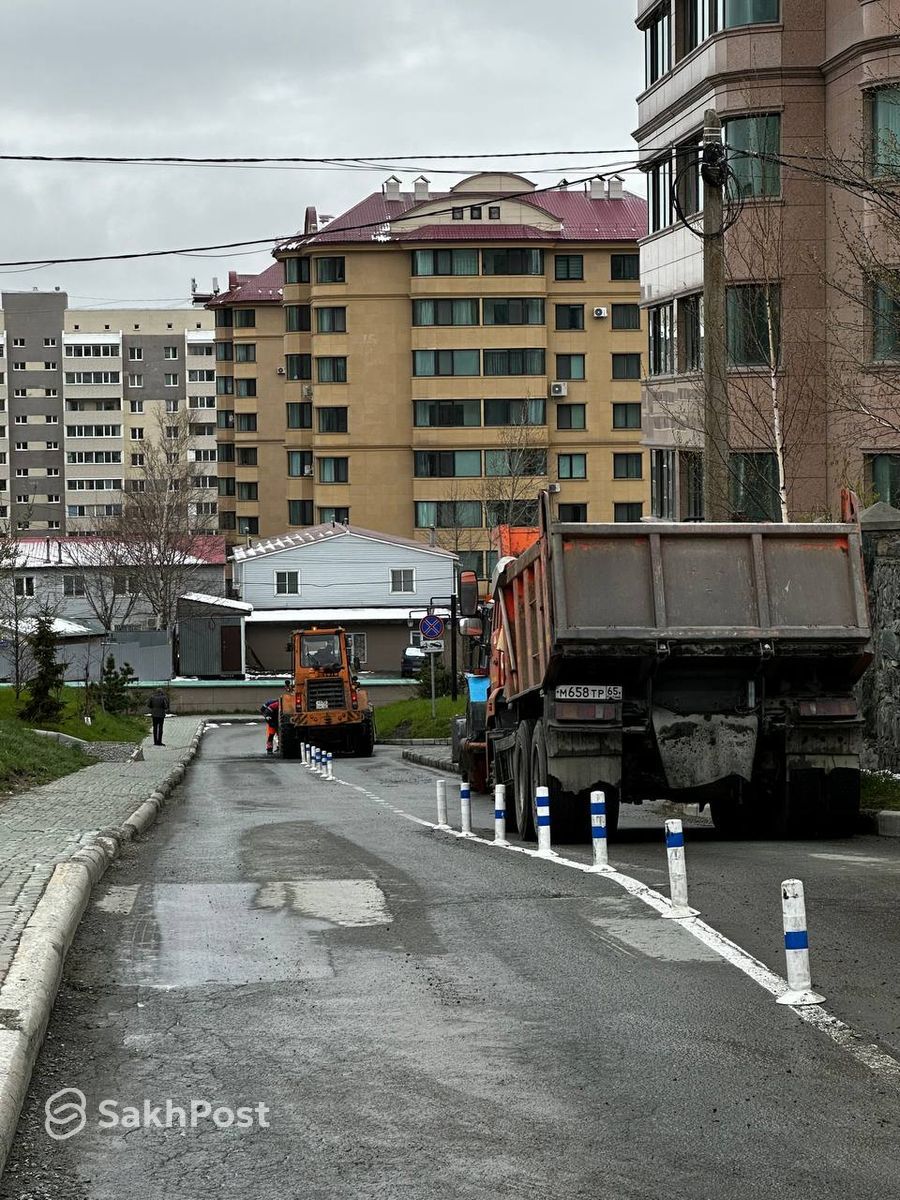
x: 321, y: 704
x: 581, y: 691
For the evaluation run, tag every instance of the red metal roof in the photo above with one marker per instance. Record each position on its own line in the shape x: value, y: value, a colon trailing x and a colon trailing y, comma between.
x: 266, y: 288
x: 471, y: 231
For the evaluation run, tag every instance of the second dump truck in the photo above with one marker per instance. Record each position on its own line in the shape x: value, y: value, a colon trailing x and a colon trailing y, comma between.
x: 710, y: 663
x: 324, y: 704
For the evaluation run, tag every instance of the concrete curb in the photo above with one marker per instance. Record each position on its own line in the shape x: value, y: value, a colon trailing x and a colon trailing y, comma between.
x: 430, y: 760
x: 888, y: 822
x: 414, y: 741
x: 30, y: 987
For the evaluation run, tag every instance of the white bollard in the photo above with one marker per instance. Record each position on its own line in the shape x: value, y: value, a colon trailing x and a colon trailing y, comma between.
x: 329, y: 767
x: 542, y: 803
x: 304, y: 753
x: 796, y: 946
x: 678, y: 893
x: 317, y: 761
x: 465, y: 809
x: 598, y: 832
x: 442, y: 804
x: 500, y: 815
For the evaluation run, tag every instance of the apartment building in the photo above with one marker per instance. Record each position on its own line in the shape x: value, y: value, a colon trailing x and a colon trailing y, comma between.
x: 801, y: 89
x: 424, y: 363
x: 82, y: 391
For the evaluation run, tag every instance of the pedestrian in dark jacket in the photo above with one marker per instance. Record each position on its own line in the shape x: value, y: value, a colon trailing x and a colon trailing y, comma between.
x: 158, y: 706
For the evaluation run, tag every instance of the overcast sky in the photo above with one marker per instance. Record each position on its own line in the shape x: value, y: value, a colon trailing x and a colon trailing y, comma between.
x: 278, y: 77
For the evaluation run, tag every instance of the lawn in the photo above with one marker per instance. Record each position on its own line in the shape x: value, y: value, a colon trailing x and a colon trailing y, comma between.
x: 27, y: 759
x: 412, y: 718
x: 880, y: 789
x: 104, y: 727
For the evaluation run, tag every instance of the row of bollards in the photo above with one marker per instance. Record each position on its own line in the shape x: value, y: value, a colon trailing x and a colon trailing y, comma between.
x: 793, y: 904
x: 319, y: 761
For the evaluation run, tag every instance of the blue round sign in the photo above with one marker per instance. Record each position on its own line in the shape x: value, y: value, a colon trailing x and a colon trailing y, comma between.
x: 431, y: 628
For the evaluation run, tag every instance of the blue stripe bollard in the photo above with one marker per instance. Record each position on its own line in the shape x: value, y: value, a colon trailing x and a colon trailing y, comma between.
x: 542, y: 804
x: 598, y: 831
x: 678, y: 891
x: 465, y: 809
x: 796, y: 946
x: 500, y: 815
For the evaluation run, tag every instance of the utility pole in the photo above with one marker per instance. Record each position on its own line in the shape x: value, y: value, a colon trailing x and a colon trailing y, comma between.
x: 716, y: 499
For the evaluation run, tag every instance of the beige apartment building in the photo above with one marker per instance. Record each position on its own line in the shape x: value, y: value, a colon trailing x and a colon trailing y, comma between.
x: 808, y: 94
x: 424, y: 363
x: 82, y: 392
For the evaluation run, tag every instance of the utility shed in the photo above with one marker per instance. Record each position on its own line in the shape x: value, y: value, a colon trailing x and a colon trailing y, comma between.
x: 211, y: 636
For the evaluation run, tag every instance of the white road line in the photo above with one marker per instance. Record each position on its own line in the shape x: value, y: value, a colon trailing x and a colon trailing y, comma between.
x: 866, y: 1053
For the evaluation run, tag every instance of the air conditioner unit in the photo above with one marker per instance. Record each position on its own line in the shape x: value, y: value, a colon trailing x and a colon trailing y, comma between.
x: 601, y: 312
x: 558, y: 388
x: 307, y: 470
x: 280, y: 370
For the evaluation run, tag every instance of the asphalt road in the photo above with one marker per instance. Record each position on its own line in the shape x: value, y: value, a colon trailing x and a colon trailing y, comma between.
x: 427, y: 1017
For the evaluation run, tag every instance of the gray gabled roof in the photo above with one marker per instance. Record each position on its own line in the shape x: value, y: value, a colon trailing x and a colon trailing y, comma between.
x: 323, y: 533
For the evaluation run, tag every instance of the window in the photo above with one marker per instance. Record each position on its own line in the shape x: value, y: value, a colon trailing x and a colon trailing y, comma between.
x: 475, y: 212
x: 732, y: 13
x: 331, y: 370
x: 170, y: 379
x: 445, y: 362
x: 331, y: 320
x: 201, y: 376
x: 330, y: 270
x: 494, y: 212
x: 287, y: 583
x: 690, y: 484
x: 135, y: 381
x: 137, y: 433
x: 299, y: 463
x: 690, y: 329
x: 570, y: 366
x: 332, y: 420
x: 448, y: 514
x: 22, y: 472
x: 624, y: 267
x: 200, y: 350
x: 247, y: 490
x: 456, y: 214
x: 749, y: 141
x: 224, y: 351
x: 90, y: 377
x: 225, y: 385
x: 135, y: 353
x: 199, y: 456
x: 568, y: 266
x: 754, y: 487
x: 227, y: 521
x: 657, y: 46
x: 201, y: 402
x: 358, y: 648
x: 338, y: 516
x: 248, y: 526
x: 244, y: 352
x: 446, y: 414
x: 73, y: 585
x: 172, y: 407
x: 245, y: 422
x: 297, y: 318
x: 24, y: 445
x: 298, y: 366
x: 510, y: 512
x: 445, y: 262
x: 571, y: 466
x: 299, y: 415
x: 18, y: 342
x: 886, y: 319
x: 300, y: 512
x: 626, y: 316
x: 512, y: 261
x: 21, y: 419
x: 883, y: 477
x: 245, y: 318
x: 572, y: 512
x: 224, y: 453
x: 170, y: 351
x: 659, y: 194
x: 447, y: 464
x: 632, y: 510
x: 137, y: 460
x: 296, y: 270
x: 444, y: 312
x: 224, y: 318
x: 695, y: 24
x: 93, y: 350
x: 245, y: 387
x: 527, y: 311
x: 403, y: 580
x: 626, y: 416
x: 225, y: 419
x: 688, y: 183
x: 662, y: 484
x: 659, y: 322
x: 506, y: 464
x: 570, y: 316
x: 334, y: 470
x: 226, y: 487
x: 515, y: 412
x: 20, y: 366
x: 24, y: 585
x: 753, y: 324
x: 570, y: 416
x: 514, y: 362
x: 628, y: 466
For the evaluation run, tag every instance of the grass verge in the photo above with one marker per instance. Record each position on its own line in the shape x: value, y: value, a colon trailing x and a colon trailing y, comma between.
x: 413, y: 719
x: 880, y: 789
x: 27, y: 759
x: 104, y: 727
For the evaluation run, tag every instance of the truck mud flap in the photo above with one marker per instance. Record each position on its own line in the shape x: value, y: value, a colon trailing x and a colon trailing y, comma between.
x: 581, y: 758
x: 702, y: 748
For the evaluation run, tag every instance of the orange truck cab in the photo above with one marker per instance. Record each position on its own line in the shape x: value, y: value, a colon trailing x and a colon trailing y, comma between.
x: 324, y: 704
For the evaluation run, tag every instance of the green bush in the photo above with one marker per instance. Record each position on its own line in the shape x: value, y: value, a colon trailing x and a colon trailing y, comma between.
x: 44, y: 703
x: 443, y: 679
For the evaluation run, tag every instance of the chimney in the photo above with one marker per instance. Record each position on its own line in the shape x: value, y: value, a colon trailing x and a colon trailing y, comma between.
x: 232, y: 280
x: 311, y: 220
x: 597, y: 188
x: 391, y: 188
x: 421, y: 188
x: 615, y: 187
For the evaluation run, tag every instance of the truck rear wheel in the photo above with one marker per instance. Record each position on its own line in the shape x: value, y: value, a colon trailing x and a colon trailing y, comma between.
x: 524, y: 796
x: 565, y: 824
x: 288, y: 741
x: 842, y: 802
x: 365, y: 739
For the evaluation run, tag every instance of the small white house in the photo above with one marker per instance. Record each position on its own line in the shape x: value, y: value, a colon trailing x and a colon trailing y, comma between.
x: 365, y: 581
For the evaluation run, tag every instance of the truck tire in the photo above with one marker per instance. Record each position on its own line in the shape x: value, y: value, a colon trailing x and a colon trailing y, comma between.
x: 841, y: 802
x: 365, y: 739
x: 288, y: 741
x: 524, y: 796
x: 568, y: 821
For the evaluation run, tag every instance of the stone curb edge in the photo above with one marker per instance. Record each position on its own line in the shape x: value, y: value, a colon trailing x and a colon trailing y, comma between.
x: 430, y: 760
x: 29, y: 990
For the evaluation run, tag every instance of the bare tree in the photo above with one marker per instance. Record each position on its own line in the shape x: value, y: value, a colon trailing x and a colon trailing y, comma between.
x: 17, y: 606
x: 111, y: 587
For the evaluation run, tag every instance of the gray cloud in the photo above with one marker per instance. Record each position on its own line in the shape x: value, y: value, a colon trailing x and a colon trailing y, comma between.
x: 277, y: 77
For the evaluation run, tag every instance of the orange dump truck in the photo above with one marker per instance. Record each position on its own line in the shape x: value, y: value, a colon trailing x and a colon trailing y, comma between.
x: 324, y: 706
